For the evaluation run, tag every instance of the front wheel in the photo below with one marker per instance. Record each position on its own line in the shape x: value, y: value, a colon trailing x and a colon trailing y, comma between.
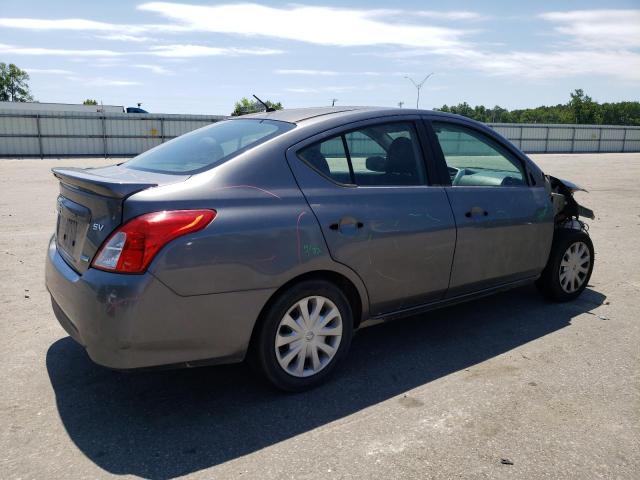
x: 304, y: 334
x: 569, y: 267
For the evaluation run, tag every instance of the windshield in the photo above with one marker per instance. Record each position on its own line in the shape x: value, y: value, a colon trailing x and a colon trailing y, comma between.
x: 207, y: 147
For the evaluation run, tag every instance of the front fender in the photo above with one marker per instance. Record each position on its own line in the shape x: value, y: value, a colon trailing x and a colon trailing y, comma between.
x: 567, y: 207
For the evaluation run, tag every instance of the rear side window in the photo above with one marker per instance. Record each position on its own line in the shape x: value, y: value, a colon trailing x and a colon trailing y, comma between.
x: 329, y: 158
x: 207, y: 147
x: 379, y: 155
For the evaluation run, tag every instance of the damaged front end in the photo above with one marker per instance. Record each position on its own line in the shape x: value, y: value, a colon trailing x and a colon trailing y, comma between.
x: 567, y: 211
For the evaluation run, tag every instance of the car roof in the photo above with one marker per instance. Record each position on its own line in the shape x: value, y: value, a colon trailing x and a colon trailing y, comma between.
x: 297, y: 115
x: 303, y: 115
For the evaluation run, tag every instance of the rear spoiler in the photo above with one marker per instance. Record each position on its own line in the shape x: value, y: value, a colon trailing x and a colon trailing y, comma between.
x: 85, y: 180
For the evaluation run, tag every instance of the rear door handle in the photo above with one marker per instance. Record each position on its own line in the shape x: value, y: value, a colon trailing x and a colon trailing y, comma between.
x: 346, y: 225
x: 476, y: 211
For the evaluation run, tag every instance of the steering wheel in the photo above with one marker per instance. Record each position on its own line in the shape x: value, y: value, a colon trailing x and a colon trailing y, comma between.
x: 460, y: 172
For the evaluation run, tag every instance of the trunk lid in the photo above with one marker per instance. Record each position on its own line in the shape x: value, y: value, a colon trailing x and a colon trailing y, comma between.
x: 90, y: 206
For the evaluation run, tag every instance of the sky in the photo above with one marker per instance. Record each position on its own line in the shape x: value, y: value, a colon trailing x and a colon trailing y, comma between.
x: 201, y: 57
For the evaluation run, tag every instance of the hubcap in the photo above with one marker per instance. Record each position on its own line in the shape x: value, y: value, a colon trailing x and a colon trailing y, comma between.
x: 308, y: 336
x: 574, y: 267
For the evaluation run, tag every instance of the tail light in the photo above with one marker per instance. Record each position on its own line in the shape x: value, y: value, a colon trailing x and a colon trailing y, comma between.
x: 131, y: 247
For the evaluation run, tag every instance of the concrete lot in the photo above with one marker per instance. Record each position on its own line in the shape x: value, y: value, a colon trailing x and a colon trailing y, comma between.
x: 554, y: 389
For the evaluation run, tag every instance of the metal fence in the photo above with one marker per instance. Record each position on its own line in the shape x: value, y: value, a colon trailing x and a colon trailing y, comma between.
x: 72, y: 134
x: 559, y: 138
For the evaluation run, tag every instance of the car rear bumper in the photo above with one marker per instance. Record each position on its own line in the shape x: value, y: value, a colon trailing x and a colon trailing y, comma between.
x: 134, y: 321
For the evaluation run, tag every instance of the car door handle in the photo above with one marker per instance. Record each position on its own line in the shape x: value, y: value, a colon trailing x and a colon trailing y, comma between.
x: 346, y: 223
x: 476, y: 211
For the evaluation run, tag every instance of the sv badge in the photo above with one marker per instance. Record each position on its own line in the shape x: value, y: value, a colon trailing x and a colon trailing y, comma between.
x: 97, y: 227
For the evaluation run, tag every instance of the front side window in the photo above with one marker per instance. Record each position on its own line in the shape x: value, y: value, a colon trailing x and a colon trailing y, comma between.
x: 474, y: 160
x: 207, y: 147
x: 380, y: 155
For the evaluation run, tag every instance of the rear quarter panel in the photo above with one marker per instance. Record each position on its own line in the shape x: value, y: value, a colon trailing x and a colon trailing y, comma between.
x: 264, y: 233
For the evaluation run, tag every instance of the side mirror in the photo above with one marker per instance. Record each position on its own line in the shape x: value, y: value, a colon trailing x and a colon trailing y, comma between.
x: 376, y: 164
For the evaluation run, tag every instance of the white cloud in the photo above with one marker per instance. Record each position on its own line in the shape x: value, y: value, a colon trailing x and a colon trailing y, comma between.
x: 617, y: 29
x: 187, y: 51
x: 601, y: 43
x: 158, y: 69
x: 553, y: 64
x: 170, y: 51
x: 102, y: 82
x: 301, y: 90
x: 594, y: 42
x: 11, y: 49
x: 321, y: 73
x: 314, y: 24
x: 108, y: 62
x: 81, y: 24
x: 452, y: 15
x: 121, y: 37
x: 63, y: 24
x: 311, y: 24
x: 47, y: 71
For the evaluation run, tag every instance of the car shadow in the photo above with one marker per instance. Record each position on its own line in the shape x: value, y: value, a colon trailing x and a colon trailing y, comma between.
x: 163, y: 424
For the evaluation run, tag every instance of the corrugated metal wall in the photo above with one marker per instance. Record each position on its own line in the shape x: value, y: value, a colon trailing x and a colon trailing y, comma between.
x: 72, y: 134
x: 538, y: 138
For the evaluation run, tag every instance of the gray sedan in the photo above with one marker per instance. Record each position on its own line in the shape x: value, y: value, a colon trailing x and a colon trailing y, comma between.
x: 275, y: 236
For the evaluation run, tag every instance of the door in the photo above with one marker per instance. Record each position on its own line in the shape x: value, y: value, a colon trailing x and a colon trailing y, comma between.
x: 368, y: 187
x: 504, y: 223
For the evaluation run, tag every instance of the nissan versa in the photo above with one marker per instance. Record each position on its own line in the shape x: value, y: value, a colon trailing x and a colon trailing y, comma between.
x: 274, y: 236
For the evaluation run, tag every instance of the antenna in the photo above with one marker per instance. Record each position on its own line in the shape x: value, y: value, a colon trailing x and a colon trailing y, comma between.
x: 333, y: 102
x: 267, y: 107
x: 400, y: 104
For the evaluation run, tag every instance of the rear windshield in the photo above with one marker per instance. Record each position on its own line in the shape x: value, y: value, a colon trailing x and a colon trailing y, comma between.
x: 207, y: 147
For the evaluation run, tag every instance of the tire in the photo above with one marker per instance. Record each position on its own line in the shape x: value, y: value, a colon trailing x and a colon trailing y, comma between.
x: 279, y: 364
x: 567, y: 273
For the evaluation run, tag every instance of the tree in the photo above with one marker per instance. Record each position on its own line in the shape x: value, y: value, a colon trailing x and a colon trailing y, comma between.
x: 90, y: 101
x: 580, y: 109
x: 245, y: 106
x: 13, y: 84
x: 584, y: 109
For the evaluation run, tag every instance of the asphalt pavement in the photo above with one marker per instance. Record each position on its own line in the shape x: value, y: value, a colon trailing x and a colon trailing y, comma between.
x: 504, y: 387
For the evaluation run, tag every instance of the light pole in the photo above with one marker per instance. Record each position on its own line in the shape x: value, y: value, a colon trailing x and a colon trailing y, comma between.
x: 418, y: 86
x: 400, y: 104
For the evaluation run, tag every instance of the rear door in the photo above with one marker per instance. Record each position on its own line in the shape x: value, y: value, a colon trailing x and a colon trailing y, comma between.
x: 504, y: 220
x: 368, y: 185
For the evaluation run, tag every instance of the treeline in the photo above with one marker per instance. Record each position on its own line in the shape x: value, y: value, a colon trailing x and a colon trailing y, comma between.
x: 581, y: 109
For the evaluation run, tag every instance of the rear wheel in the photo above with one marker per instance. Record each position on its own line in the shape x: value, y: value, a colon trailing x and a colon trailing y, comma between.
x: 305, y: 333
x: 569, y: 267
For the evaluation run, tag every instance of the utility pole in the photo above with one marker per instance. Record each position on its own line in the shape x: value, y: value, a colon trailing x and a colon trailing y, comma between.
x: 400, y: 104
x: 418, y: 86
x: 333, y: 102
